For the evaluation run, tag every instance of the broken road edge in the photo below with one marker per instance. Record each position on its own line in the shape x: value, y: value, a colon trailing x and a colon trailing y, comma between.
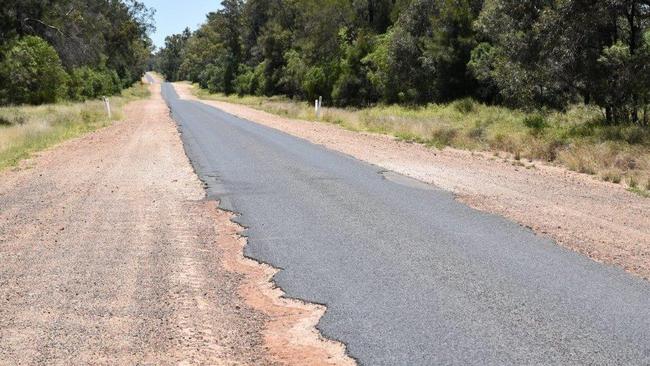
x: 291, y: 336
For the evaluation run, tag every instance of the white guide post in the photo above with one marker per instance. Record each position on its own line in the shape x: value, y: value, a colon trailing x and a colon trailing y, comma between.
x: 319, y: 104
x: 107, y: 103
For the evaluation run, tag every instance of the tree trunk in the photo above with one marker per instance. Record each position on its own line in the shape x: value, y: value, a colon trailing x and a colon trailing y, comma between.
x: 609, y: 115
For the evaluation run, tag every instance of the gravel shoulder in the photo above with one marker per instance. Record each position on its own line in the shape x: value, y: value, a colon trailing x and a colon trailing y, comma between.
x: 111, y: 255
x: 598, y: 219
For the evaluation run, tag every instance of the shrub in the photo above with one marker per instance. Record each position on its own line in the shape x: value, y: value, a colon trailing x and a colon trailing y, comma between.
x: 86, y: 83
x: 443, y: 136
x: 243, y: 83
x: 211, y: 78
x: 31, y: 73
x: 503, y: 142
x: 315, y: 83
x: 634, y: 135
x: 613, y: 176
x: 632, y: 182
x: 477, y: 133
x: 465, y: 105
x: 536, y: 123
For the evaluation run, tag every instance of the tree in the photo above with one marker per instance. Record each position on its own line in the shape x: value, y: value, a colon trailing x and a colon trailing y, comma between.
x: 450, y: 47
x: 411, y: 75
x: 353, y: 86
x: 171, y: 56
x: 230, y: 20
x: 31, y: 72
x: 553, y: 53
x: 109, y: 37
x: 525, y: 54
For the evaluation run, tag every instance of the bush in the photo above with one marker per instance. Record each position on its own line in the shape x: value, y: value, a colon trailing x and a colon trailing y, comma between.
x: 248, y: 82
x: 31, y: 73
x: 536, y: 123
x: 465, y: 105
x: 443, y: 136
x: 212, y: 78
x: 315, y: 83
x: 87, y: 83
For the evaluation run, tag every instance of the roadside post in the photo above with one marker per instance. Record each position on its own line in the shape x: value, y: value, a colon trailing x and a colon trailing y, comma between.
x: 318, y: 103
x: 107, y: 104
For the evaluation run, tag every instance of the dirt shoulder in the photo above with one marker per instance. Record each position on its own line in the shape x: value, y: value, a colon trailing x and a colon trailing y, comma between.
x: 110, y: 255
x: 599, y: 219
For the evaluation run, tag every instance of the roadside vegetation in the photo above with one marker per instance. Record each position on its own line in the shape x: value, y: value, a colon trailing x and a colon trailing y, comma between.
x: 27, y: 129
x: 57, y: 58
x: 576, y: 139
x: 71, y: 49
x: 562, y: 81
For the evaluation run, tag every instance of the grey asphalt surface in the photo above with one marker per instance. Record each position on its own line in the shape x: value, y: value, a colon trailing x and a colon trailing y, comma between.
x: 409, y: 275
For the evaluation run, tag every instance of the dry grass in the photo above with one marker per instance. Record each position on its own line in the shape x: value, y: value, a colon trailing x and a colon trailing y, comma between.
x: 576, y: 139
x: 27, y: 129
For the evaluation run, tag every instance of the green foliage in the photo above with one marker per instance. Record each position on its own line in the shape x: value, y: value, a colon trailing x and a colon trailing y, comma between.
x: 536, y: 123
x: 552, y: 54
x: 247, y: 82
x: 104, y: 40
x: 465, y: 105
x: 531, y: 55
x: 171, y: 57
x: 31, y: 73
x: 315, y: 82
x: 294, y: 73
x: 353, y: 86
x: 86, y: 83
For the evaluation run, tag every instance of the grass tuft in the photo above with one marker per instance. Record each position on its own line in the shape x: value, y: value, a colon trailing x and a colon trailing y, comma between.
x: 640, y: 192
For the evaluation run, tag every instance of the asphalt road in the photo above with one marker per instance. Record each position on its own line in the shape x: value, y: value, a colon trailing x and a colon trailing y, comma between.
x: 409, y: 275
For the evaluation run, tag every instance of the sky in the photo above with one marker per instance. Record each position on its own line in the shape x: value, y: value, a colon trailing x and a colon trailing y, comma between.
x: 172, y: 16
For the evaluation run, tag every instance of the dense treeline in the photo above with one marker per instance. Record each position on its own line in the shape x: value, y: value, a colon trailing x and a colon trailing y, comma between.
x: 525, y: 54
x: 71, y: 49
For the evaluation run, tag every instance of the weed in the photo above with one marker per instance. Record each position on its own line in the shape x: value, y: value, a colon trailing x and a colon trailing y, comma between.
x: 632, y: 182
x: 613, y: 176
x: 640, y: 192
x: 477, y: 133
x: 465, y: 105
x: 443, y: 136
x: 536, y: 123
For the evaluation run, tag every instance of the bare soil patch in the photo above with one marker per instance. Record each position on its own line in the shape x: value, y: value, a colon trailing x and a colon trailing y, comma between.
x: 599, y: 219
x: 291, y: 333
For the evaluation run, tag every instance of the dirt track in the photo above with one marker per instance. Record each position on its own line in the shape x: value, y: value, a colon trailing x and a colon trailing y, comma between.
x: 599, y: 219
x: 110, y: 256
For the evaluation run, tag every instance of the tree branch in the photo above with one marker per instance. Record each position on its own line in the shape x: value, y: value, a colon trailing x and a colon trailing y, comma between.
x: 45, y: 25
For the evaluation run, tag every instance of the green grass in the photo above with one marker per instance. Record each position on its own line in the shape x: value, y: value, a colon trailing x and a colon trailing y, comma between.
x: 576, y: 139
x: 28, y: 129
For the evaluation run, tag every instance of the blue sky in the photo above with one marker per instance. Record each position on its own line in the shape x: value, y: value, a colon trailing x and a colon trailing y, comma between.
x: 172, y: 16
